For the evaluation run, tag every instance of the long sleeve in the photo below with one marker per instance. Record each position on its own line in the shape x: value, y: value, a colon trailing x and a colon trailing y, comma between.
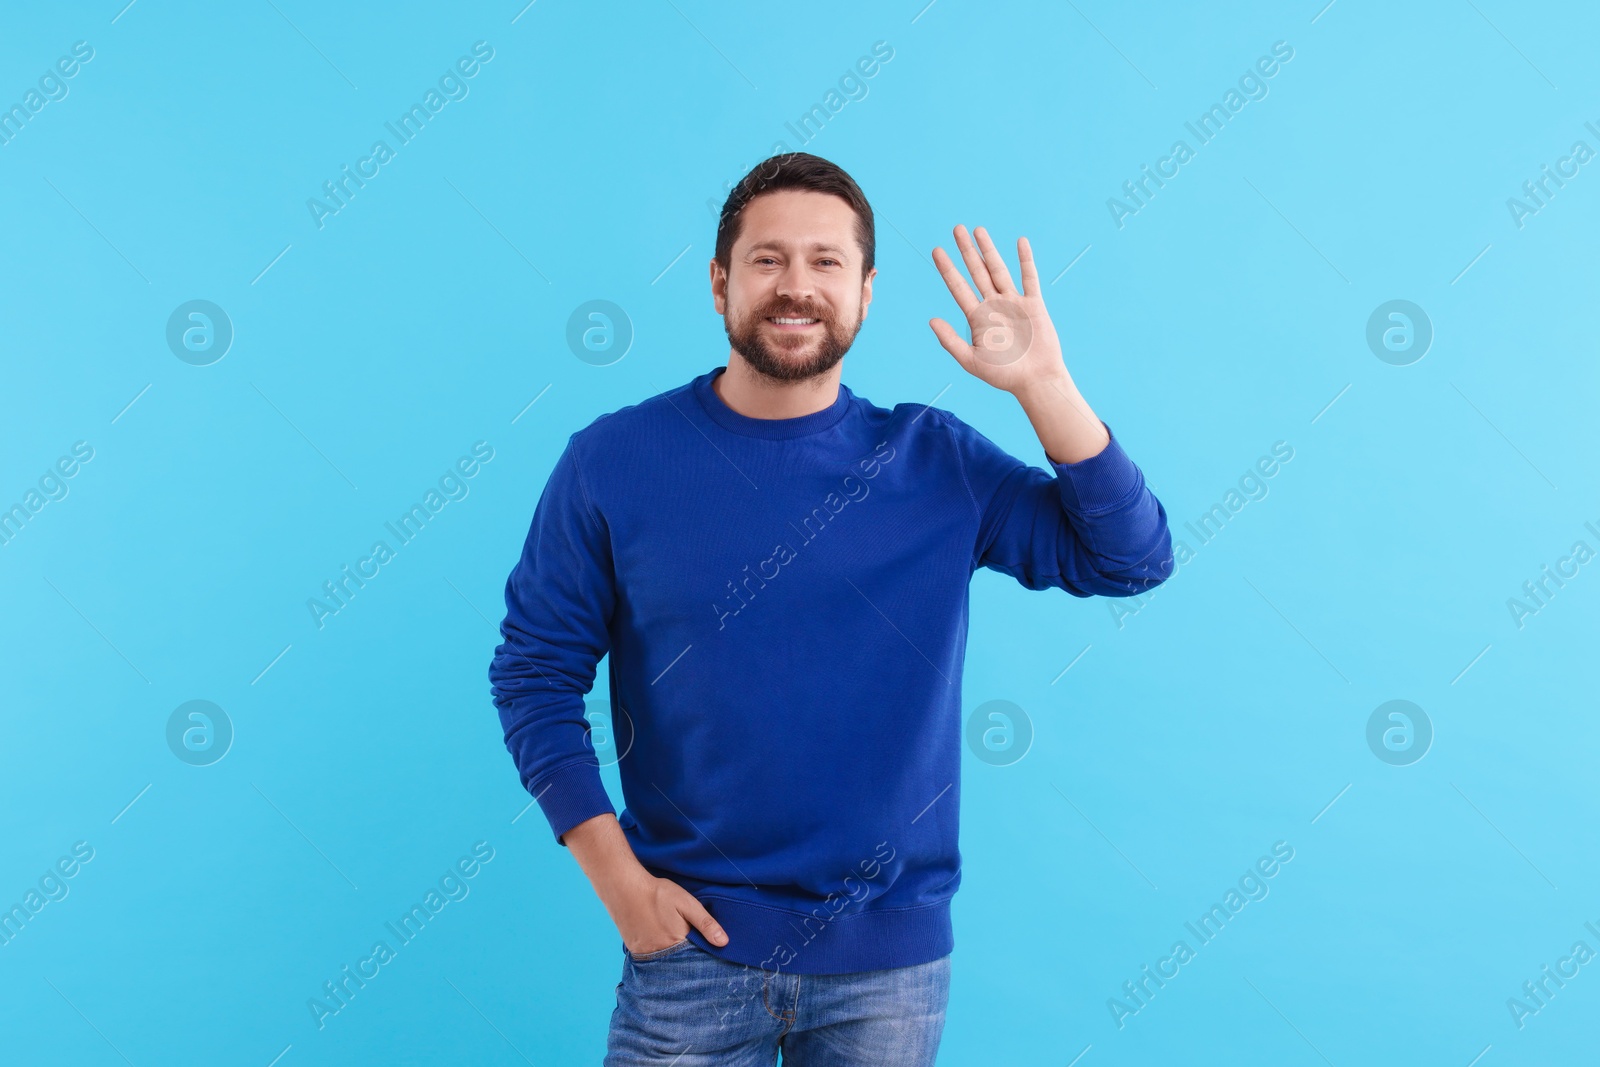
x: 1092, y: 528
x: 559, y: 602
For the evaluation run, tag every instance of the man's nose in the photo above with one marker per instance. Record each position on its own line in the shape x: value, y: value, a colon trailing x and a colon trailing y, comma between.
x: 795, y: 282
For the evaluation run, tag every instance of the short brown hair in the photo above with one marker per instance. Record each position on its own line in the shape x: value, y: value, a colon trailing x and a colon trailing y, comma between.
x: 796, y: 170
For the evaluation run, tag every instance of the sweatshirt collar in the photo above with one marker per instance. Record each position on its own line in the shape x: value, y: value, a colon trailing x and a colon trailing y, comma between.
x: 774, y: 429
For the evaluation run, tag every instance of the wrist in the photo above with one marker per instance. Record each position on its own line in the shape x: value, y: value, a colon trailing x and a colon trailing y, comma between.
x: 1047, y: 389
x: 602, y: 850
x: 620, y: 882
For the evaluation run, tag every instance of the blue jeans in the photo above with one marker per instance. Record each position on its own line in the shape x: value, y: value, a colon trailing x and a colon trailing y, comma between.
x: 684, y: 1007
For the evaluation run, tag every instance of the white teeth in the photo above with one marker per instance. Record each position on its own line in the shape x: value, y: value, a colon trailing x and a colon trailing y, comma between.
x: 794, y: 322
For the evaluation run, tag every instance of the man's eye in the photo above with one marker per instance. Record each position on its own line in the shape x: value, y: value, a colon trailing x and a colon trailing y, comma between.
x: 835, y: 262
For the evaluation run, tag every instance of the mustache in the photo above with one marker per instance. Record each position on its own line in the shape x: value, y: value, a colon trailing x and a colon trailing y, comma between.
x: 791, y: 311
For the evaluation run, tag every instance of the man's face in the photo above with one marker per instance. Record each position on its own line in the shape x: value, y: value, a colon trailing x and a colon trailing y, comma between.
x: 796, y: 259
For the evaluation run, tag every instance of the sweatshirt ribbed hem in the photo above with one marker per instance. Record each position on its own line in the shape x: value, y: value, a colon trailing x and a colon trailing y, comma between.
x: 798, y: 942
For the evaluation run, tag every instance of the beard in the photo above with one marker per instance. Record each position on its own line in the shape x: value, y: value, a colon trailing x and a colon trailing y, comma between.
x: 796, y: 358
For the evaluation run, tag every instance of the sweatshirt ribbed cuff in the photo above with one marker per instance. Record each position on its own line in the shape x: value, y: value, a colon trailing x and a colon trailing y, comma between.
x: 1099, y: 483
x: 571, y: 795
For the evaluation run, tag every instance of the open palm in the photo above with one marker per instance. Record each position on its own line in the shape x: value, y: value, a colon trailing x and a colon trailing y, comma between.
x: 1014, y: 343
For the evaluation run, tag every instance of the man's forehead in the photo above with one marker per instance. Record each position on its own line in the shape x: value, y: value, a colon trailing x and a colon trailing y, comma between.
x: 798, y: 218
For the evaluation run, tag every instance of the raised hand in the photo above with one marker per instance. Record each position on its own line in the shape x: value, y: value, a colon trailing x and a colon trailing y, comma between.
x: 1014, y: 344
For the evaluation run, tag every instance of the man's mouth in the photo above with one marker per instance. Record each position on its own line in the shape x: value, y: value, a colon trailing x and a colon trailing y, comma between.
x: 790, y: 323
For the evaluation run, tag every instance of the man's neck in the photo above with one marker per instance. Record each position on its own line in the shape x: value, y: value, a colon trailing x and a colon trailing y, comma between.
x: 758, y: 397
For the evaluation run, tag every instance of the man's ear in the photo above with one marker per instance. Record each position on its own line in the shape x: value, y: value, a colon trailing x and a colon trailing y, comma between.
x: 719, y: 287
x: 866, y: 290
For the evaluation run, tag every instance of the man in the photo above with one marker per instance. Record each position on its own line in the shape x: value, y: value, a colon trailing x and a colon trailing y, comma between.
x: 779, y: 570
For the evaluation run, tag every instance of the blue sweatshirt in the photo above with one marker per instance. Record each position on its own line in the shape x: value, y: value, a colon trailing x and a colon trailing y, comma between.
x: 784, y: 602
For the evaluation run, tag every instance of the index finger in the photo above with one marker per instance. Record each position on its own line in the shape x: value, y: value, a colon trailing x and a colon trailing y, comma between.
x: 697, y: 916
x: 965, y: 298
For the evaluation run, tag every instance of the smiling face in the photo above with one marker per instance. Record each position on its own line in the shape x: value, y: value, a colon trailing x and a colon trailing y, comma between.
x: 793, y: 297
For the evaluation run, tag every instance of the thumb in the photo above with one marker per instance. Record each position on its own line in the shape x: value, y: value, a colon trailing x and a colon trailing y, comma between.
x: 952, y: 342
x: 698, y: 917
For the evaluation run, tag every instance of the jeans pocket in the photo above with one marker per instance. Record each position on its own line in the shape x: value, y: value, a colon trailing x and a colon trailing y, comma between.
x: 645, y: 957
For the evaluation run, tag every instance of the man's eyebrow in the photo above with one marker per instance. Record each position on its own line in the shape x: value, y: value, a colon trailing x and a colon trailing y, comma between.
x: 815, y: 246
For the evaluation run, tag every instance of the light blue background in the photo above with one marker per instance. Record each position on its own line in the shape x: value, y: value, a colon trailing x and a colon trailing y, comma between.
x: 1228, y: 314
